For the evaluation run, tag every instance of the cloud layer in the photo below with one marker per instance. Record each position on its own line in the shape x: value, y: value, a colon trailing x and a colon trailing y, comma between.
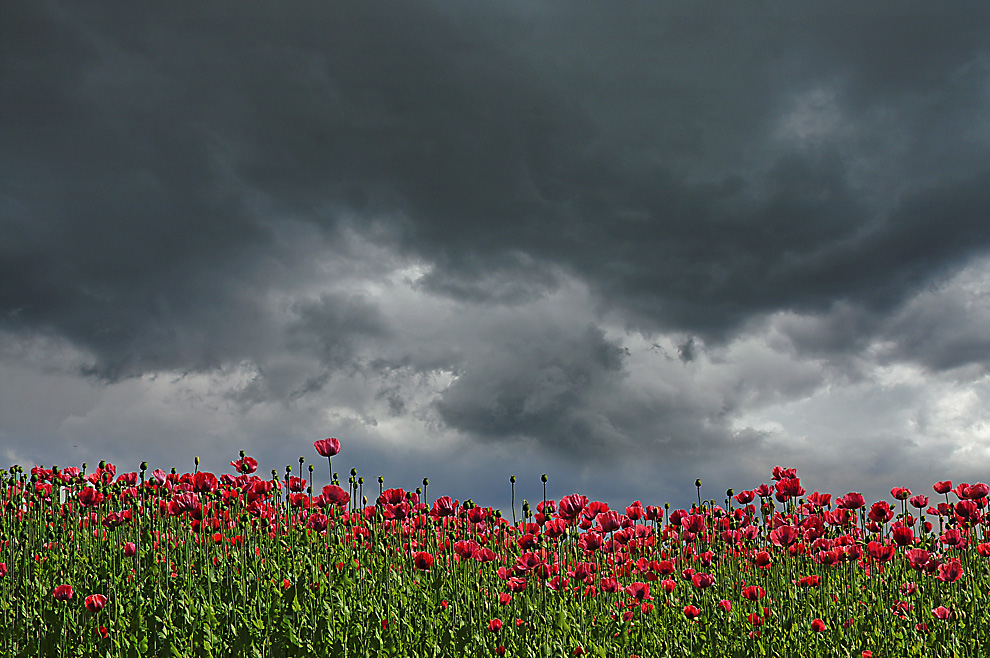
x: 617, y: 245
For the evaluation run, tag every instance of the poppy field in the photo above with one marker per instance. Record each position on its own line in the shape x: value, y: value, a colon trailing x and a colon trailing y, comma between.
x: 155, y: 563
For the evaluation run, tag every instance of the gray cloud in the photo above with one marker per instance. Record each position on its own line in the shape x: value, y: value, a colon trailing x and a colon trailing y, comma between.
x: 382, y: 217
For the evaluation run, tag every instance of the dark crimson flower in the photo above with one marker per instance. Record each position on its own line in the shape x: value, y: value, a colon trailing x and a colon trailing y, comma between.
x: 953, y: 537
x: 943, y: 487
x: 423, y: 561
x: 95, y: 602
x: 609, y: 585
x: 745, y: 497
x: 818, y: 626
x: 654, y: 513
x: 942, y: 612
x: 919, y: 501
x: 516, y: 584
x: 950, y: 572
x: 851, y: 500
x: 571, y: 506
x: 763, y: 490
x: 495, y: 625
x: 130, y: 549
x: 810, y: 581
x: 693, y: 523
x: 900, y: 493
x: 102, y: 631
x: 245, y: 465
x: 327, y: 447
x: 185, y: 501
x: 609, y: 521
x: 204, y: 482
x: 590, y: 541
x: 639, y: 591
x: 820, y: 499
x: 983, y: 549
x: 62, y: 592
x: 702, y: 580
x: 974, y: 491
x: 903, y: 536
x: 967, y: 511
x: 725, y: 605
x: 691, y: 612
x: 89, y: 497
x: 3, y: 569
x: 880, y: 512
x: 444, y: 506
x: 784, y: 536
x: 635, y: 511
x: 668, y: 585
x: 755, y: 619
x: 296, y: 485
x: 528, y: 561
x: 907, y: 589
x: 781, y: 473
x: 918, y: 558
x: 334, y: 495
x: 879, y: 551
x: 761, y: 559
x: 484, y: 555
x: 317, y: 522
x: 527, y: 541
x: 790, y: 488
x: 753, y: 592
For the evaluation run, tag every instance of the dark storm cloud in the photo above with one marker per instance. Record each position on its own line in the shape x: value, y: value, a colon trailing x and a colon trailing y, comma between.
x: 178, y: 185
x: 539, y: 382
x: 140, y: 145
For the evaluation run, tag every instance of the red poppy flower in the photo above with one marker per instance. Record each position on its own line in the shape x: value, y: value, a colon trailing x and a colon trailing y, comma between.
x: 978, y: 490
x: 950, y: 572
x: 919, y: 501
x: 900, y: 493
x: 3, y: 569
x: 785, y: 535
x: 755, y: 619
x: 880, y: 512
x: 702, y: 580
x: 444, y: 506
x: 725, y: 605
x: 102, y: 631
x: 745, y: 497
x: 495, y: 625
x: 334, y: 495
x: 95, y: 602
x: 942, y: 612
x: 317, y: 522
x: 516, y: 584
x: 639, y: 591
x: 90, y: 497
x: 851, y: 500
x: 761, y: 558
x: 943, y: 487
x: 818, y: 626
x: 918, y: 558
x: 879, y: 551
x: 245, y: 465
x: 204, y: 482
x: 753, y: 592
x: 327, y: 447
x: 691, y: 612
x: 62, y: 592
x: 423, y: 561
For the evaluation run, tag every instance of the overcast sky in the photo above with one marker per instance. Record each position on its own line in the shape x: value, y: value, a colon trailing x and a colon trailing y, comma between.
x: 624, y: 245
